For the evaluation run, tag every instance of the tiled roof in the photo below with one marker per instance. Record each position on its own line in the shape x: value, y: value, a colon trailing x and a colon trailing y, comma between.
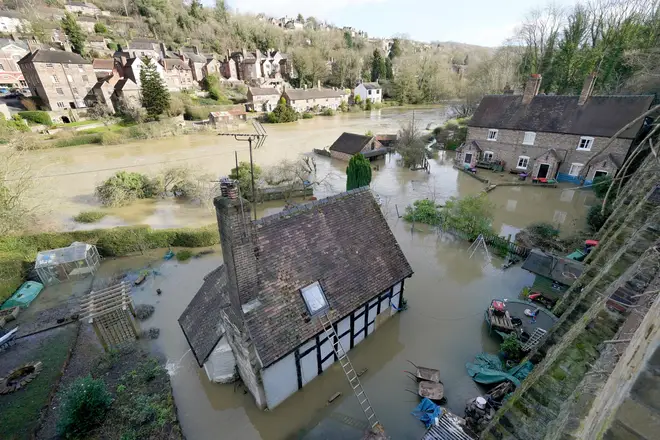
x: 53, y: 56
x: 143, y: 45
x: 475, y: 144
x: 102, y: 64
x: 350, y: 143
x: 171, y: 63
x: 371, y: 86
x: 264, y: 91
x: 195, y: 58
x: 343, y: 242
x: 599, y: 116
x: 296, y: 94
x: 200, y: 320
x: 126, y: 84
x: 4, y: 42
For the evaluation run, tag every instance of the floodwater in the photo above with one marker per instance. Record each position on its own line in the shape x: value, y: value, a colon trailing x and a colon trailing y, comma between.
x: 443, y: 327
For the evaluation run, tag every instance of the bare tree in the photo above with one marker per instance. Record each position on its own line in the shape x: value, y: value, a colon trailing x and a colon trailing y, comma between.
x: 18, y: 208
x: 411, y: 146
x: 294, y: 175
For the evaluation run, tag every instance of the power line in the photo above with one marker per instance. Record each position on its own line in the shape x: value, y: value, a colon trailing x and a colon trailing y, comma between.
x: 98, y: 170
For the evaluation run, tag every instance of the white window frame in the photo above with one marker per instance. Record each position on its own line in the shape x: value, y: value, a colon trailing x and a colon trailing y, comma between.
x: 575, y: 164
x: 493, y: 132
x: 530, y: 137
x: 526, y: 159
x: 491, y: 156
x: 589, y: 142
x: 55, y: 79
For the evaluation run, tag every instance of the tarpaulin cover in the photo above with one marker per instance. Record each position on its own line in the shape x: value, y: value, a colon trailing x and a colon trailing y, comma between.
x: 488, y: 369
x: 426, y: 412
x: 24, y: 295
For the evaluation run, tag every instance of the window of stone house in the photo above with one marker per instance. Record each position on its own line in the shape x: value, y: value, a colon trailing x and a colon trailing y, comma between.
x: 585, y: 143
x: 523, y: 161
x: 575, y: 169
x: 492, y: 135
x: 488, y: 156
x: 369, y: 92
x: 314, y: 298
x: 49, y: 65
x: 85, y: 78
x: 59, y: 91
x: 74, y: 90
x: 60, y: 104
x: 56, y: 80
x: 530, y: 137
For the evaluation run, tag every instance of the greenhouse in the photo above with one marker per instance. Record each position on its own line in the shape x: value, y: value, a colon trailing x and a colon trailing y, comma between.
x: 73, y: 262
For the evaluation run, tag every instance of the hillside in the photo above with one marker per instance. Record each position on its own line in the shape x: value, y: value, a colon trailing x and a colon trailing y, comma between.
x: 415, y: 72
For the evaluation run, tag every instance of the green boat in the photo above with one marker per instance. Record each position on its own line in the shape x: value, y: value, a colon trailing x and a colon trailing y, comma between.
x: 24, y: 296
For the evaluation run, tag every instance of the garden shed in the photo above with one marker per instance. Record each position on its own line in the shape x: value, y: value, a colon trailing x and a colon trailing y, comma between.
x: 72, y: 262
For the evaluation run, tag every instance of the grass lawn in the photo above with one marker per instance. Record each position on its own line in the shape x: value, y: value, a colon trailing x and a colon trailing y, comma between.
x: 109, y: 128
x: 21, y: 409
x: 78, y: 123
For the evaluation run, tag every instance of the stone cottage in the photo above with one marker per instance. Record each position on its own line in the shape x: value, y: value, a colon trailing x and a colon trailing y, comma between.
x: 262, y: 99
x: 349, y: 144
x: 369, y: 91
x: 303, y: 100
x: 553, y: 136
x: 282, y: 272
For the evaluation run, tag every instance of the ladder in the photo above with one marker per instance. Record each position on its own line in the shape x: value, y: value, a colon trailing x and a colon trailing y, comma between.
x: 349, y: 371
x: 535, y: 339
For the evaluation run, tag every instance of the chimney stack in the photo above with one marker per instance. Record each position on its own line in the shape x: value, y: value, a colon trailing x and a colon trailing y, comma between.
x: 238, y: 244
x: 587, y: 88
x: 196, y: 50
x: 531, y: 88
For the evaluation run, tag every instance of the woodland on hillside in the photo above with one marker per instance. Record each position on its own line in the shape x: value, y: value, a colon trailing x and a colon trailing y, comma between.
x: 618, y: 39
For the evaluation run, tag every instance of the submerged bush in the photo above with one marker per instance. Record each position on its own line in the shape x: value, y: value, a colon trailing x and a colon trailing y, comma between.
x: 36, y: 117
x: 183, y: 255
x: 125, y: 187
x: 423, y: 211
x: 86, y: 402
x: 89, y: 216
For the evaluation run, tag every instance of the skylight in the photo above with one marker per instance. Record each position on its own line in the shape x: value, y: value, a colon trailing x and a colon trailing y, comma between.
x: 314, y: 298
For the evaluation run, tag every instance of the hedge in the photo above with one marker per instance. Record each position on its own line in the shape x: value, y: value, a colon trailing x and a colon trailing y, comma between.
x: 17, y: 253
x: 37, y: 117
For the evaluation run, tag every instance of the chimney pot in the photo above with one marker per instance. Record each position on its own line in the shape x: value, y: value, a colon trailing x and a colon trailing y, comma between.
x: 228, y: 188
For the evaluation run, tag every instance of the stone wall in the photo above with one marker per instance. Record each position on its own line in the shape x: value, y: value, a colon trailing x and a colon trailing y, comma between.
x: 552, y: 401
x: 509, y: 147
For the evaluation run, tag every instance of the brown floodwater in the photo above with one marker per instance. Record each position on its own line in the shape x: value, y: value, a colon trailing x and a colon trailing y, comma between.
x: 443, y: 327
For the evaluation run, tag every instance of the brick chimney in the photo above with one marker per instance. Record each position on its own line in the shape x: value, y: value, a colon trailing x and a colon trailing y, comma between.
x: 587, y: 88
x: 238, y: 244
x: 531, y: 88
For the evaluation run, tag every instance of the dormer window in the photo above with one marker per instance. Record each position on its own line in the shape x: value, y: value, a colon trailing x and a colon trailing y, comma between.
x: 492, y: 135
x: 314, y: 298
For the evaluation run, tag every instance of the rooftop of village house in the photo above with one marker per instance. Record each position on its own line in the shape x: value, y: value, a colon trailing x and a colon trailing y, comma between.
x: 342, y: 241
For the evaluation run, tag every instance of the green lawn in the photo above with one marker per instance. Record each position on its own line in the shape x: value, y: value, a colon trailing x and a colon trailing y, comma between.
x: 78, y: 123
x: 20, y: 410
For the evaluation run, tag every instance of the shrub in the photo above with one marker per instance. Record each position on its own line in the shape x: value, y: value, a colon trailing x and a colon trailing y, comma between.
x: 125, y: 187
x: 113, y: 46
x: 100, y: 28
x: 183, y: 255
x: 307, y: 115
x: 595, y: 218
x: 86, y: 402
x: 194, y: 237
x: 29, y: 104
x: 79, y: 139
x: 36, y: 117
x: 111, y: 138
x: 328, y: 112
x: 144, y: 311
x: 195, y: 113
x: 282, y: 113
x: 89, y: 216
x: 423, y: 211
x: 343, y: 106
x: 600, y: 186
x: 511, y: 347
x: 177, y: 107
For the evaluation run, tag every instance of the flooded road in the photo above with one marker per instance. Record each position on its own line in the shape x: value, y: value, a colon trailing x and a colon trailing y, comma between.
x: 443, y: 327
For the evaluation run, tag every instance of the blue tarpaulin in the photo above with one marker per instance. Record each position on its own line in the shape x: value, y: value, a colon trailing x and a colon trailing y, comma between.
x: 488, y: 369
x: 426, y: 412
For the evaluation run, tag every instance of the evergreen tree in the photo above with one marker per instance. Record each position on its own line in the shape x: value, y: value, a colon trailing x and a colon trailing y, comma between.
x: 378, y: 69
x: 282, y: 113
x: 389, y: 74
x: 155, y: 97
x: 74, y: 32
x: 358, y: 173
x: 395, y: 50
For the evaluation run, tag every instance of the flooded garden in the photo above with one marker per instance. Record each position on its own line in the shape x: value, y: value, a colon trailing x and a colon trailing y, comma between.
x: 442, y: 328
